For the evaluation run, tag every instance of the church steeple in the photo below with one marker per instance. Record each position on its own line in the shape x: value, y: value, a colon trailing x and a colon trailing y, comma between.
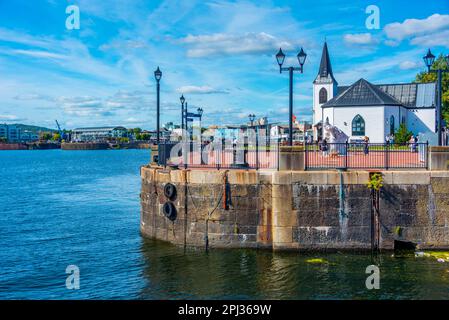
x: 325, y: 65
x: 325, y: 87
x: 325, y: 71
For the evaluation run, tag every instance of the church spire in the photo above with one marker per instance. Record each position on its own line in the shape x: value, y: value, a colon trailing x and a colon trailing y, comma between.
x: 325, y: 65
x: 325, y: 72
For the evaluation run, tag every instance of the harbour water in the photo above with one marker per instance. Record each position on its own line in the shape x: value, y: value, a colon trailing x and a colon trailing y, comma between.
x: 61, y: 208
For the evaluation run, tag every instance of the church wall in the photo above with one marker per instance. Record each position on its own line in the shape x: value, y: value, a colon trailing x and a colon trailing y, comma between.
x: 421, y: 120
x: 374, y: 126
x: 397, y: 113
x: 331, y: 91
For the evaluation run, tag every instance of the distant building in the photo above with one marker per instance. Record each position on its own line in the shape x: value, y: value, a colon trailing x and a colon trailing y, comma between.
x: 28, y: 136
x: 10, y: 132
x: 97, y: 134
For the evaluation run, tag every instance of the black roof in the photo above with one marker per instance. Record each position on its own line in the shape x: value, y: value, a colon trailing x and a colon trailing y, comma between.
x: 362, y: 93
x: 325, y: 70
x: 410, y: 95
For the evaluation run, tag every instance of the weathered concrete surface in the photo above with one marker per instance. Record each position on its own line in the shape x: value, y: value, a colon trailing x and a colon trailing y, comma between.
x: 295, y: 209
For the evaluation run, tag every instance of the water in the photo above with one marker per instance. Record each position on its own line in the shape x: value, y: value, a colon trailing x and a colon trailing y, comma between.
x: 61, y: 208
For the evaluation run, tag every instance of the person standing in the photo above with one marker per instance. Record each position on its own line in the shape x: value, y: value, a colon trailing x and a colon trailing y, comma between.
x: 366, y: 147
x: 324, y: 147
x: 411, y: 143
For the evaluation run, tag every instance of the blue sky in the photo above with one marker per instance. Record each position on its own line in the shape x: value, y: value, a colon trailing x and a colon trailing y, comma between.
x: 220, y: 54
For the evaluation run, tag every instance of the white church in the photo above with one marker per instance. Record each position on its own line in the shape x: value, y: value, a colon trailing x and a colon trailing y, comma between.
x: 372, y: 110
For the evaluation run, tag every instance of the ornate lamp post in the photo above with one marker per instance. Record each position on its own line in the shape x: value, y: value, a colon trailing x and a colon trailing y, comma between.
x: 182, y: 99
x: 251, y: 118
x: 280, y: 57
x: 158, y: 76
x: 200, y: 115
x: 429, y: 59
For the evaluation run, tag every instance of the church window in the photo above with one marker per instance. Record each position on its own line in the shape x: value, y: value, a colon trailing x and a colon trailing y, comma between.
x: 392, y: 125
x: 358, y: 126
x: 323, y: 95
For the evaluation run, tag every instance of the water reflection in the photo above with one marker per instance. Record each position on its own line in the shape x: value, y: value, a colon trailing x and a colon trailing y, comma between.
x: 260, y: 274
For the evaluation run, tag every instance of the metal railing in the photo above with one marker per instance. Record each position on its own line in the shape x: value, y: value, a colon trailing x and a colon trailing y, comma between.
x: 221, y: 155
x: 348, y: 155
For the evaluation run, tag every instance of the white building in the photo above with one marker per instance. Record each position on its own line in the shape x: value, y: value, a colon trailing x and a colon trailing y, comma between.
x: 97, y: 134
x: 365, y: 109
x: 10, y: 132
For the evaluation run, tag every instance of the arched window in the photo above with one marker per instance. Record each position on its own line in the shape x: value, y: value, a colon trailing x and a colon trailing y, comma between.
x: 358, y: 126
x: 392, y: 124
x: 323, y: 95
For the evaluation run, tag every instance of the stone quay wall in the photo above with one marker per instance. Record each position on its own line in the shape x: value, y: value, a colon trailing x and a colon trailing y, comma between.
x: 295, y: 210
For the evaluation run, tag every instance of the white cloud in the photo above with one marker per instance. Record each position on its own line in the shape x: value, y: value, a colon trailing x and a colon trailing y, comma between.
x: 231, y: 44
x: 430, y: 40
x: 420, y: 31
x: 361, y: 38
x: 407, y: 65
x: 200, y: 90
x: 10, y: 118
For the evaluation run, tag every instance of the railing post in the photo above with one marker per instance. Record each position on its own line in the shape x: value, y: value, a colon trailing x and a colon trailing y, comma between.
x: 387, y: 155
x: 346, y: 154
x: 257, y: 152
x: 427, y: 154
x: 278, y: 151
x: 305, y: 155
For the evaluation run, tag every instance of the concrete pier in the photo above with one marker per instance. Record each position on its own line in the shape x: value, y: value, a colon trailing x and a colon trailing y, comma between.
x: 294, y: 210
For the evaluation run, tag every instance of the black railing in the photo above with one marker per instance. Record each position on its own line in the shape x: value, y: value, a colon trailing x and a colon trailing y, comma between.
x: 221, y: 155
x: 366, y: 156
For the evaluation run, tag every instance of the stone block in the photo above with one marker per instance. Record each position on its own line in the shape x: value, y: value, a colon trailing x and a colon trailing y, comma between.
x: 282, y: 234
x: 410, y: 178
x: 281, y: 204
x: 362, y: 177
x: 309, y: 177
x: 440, y: 185
x: 285, y: 218
x: 282, y: 191
x: 243, y: 177
x: 282, y: 177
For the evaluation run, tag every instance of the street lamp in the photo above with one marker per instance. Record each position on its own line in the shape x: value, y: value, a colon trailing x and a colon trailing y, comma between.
x: 182, y: 99
x: 429, y: 59
x: 280, y: 57
x: 158, y: 76
x: 251, y: 117
x: 200, y: 113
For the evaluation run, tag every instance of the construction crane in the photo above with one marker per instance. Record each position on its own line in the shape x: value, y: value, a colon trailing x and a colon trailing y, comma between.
x: 61, y: 133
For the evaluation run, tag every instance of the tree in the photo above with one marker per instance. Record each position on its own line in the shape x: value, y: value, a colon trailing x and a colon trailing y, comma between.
x: 402, y: 134
x: 425, y: 76
x: 56, y: 137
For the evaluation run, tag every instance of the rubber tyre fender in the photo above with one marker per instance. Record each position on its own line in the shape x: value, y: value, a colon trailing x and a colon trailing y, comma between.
x: 170, y: 191
x: 169, y: 211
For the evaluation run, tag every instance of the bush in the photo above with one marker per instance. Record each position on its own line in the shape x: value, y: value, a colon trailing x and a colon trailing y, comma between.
x: 402, y: 135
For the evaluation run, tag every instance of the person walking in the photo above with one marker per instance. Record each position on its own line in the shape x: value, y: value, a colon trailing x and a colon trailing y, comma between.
x: 415, y: 144
x: 324, y: 147
x: 366, y: 147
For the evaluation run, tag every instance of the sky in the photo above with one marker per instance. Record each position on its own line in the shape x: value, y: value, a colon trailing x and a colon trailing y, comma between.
x: 219, y: 54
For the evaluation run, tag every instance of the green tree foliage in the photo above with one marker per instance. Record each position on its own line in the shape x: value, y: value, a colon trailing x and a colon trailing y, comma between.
x: 402, y: 134
x: 56, y: 137
x: 425, y: 76
x: 375, y: 181
x: 45, y: 136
